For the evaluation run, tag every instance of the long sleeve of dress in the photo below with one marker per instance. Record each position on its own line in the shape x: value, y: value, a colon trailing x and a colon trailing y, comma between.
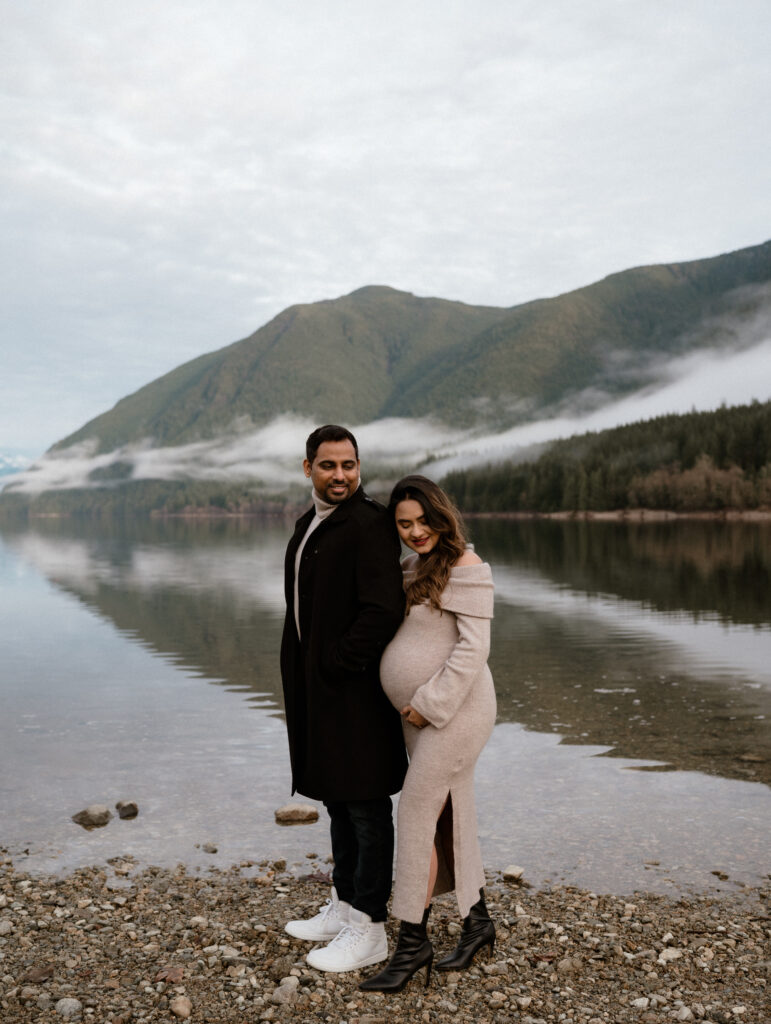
x: 439, y: 699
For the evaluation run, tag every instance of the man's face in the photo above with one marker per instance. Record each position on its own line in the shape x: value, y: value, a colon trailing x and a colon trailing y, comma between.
x: 335, y: 471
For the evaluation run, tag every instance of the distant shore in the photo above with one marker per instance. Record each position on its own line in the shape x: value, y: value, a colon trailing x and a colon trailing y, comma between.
x: 634, y: 515
x: 631, y: 515
x: 282, y: 512
x: 614, y: 515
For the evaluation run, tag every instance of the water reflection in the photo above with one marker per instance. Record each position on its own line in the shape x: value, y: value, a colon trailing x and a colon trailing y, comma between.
x: 721, y: 569
x: 614, y: 691
x: 652, y: 640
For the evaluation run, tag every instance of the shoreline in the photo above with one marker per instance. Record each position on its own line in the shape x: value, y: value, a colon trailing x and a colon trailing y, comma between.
x: 124, y: 943
x: 630, y: 515
x: 634, y: 515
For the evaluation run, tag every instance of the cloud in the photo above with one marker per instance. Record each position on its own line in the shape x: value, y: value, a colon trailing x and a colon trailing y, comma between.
x: 176, y: 174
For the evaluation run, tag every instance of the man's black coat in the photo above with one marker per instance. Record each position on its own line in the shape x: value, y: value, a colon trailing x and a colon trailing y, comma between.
x: 345, y: 738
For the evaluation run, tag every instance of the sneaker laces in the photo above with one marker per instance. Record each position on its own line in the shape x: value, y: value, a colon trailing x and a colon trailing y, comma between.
x: 327, y: 908
x: 347, y: 937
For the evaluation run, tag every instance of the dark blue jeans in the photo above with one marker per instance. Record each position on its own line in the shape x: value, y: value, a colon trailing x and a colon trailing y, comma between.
x: 362, y: 834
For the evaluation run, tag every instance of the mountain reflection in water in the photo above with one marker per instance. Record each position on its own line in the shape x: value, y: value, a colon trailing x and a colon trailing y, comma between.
x: 647, y: 642
x: 651, y: 639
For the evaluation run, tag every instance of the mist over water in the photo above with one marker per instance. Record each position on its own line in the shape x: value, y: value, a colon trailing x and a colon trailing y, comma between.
x: 736, y: 369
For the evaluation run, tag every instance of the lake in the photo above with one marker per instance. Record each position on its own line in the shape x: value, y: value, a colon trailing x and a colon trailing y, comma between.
x: 632, y: 664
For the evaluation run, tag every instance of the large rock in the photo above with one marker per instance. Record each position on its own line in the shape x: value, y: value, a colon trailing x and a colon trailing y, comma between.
x: 94, y: 816
x: 296, y: 814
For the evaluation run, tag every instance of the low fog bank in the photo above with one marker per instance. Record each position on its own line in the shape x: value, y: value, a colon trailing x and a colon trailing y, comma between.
x: 269, y: 458
x: 697, y: 382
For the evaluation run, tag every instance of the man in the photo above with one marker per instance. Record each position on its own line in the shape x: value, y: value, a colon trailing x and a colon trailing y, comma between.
x: 344, y: 596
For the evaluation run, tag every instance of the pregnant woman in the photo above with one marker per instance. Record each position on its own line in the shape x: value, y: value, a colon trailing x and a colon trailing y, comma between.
x: 435, y: 673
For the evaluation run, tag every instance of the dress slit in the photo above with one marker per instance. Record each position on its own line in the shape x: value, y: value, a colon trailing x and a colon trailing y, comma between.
x: 444, y: 843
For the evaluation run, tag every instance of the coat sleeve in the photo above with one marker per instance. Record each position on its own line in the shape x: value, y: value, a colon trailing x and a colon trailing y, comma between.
x: 380, y: 598
x: 440, y: 698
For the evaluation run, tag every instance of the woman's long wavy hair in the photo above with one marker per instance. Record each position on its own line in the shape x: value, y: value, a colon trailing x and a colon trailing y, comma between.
x: 441, y: 515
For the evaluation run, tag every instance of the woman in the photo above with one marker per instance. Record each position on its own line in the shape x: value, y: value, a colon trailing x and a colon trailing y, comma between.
x: 435, y: 673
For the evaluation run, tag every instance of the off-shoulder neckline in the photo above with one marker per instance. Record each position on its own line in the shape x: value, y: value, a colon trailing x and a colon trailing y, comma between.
x: 411, y: 560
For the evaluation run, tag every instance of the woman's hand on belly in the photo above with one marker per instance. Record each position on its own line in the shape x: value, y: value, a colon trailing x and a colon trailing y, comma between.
x: 414, y: 717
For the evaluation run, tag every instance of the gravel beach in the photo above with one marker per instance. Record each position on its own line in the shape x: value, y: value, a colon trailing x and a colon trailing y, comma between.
x: 125, y: 943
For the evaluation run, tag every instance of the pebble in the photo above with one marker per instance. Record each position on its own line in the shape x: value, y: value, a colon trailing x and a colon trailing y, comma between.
x: 181, y: 1007
x: 69, y: 1009
x: 212, y: 947
x: 668, y: 955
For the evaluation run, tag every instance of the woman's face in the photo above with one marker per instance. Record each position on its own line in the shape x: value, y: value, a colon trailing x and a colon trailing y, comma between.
x: 413, y: 528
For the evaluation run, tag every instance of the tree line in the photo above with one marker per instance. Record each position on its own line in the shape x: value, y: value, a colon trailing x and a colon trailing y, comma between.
x: 698, y: 461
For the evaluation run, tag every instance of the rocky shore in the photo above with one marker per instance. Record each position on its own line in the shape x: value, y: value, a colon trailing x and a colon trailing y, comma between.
x: 123, y: 943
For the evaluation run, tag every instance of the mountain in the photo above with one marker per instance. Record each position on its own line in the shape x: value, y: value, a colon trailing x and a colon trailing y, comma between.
x: 340, y: 359
x: 379, y: 352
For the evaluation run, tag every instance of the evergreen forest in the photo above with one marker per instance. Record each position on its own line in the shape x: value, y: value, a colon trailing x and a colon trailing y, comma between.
x: 699, y: 461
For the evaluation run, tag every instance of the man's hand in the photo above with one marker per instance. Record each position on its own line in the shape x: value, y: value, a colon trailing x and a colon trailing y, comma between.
x: 414, y: 717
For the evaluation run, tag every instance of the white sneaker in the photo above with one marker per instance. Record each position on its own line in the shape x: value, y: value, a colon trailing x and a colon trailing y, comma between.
x: 325, y: 925
x: 360, y: 943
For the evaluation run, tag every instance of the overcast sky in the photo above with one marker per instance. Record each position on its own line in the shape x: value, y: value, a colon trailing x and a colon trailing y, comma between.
x: 174, y: 174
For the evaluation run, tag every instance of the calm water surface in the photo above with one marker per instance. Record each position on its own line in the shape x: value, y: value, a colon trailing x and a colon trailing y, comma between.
x: 632, y: 664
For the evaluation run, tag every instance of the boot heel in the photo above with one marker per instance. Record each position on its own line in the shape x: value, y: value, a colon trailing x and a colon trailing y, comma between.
x: 429, y: 965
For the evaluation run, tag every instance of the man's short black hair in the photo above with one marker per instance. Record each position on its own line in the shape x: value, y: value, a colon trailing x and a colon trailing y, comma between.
x: 329, y: 432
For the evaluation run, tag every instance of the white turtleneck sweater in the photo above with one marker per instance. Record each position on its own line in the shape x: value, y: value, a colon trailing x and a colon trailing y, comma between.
x: 323, y: 509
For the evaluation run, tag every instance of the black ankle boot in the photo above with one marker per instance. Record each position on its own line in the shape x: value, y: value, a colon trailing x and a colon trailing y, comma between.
x: 413, y: 951
x: 478, y: 930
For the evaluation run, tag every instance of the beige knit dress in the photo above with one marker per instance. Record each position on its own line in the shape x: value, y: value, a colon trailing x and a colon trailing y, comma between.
x: 437, y: 662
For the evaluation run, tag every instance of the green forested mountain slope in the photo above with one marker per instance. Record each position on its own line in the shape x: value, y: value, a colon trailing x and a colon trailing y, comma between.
x: 600, y: 337
x: 335, y: 360
x: 380, y: 352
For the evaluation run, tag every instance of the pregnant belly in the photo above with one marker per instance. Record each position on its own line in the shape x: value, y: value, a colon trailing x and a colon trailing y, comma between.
x: 421, y: 646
